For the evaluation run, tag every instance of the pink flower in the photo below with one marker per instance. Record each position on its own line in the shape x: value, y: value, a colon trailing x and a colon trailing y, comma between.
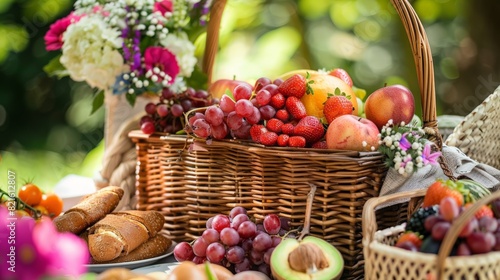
x: 164, y: 60
x: 67, y: 252
x: 53, y: 37
x: 98, y: 10
x: 428, y: 157
x: 24, y: 262
x: 163, y: 7
x: 404, y: 144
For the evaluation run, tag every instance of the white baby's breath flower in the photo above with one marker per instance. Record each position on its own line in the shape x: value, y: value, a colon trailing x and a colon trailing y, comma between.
x: 409, y: 168
x: 415, y: 145
x: 401, y: 170
x: 388, y: 141
x: 90, y: 53
x: 364, y: 143
x: 397, y: 165
x: 393, y: 147
x: 390, y: 122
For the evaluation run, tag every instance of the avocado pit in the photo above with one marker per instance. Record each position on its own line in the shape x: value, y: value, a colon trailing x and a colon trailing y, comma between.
x: 307, y: 258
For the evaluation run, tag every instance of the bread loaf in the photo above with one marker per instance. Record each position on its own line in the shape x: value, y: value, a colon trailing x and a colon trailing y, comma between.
x: 90, y: 210
x: 154, y: 247
x: 118, y: 234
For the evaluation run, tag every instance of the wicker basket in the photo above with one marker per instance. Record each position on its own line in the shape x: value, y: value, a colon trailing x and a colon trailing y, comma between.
x: 189, y: 180
x: 383, y: 261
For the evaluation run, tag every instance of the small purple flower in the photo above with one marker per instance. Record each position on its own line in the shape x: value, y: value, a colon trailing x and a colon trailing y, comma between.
x: 428, y: 157
x: 404, y: 144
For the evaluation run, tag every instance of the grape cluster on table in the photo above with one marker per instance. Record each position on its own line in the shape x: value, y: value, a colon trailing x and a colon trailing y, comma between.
x: 236, y: 242
x: 167, y: 115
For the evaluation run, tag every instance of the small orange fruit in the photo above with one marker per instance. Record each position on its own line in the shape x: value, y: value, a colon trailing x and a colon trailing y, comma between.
x: 30, y: 194
x: 411, y: 237
x: 53, y: 203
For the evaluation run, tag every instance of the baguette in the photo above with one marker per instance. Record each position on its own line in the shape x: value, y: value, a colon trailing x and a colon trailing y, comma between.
x: 118, y: 234
x: 154, y: 247
x: 90, y: 210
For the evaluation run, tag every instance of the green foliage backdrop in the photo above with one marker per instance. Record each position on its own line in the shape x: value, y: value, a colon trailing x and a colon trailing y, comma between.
x: 46, y: 130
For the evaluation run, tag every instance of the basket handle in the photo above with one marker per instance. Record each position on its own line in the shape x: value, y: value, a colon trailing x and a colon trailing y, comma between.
x: 212, y: 40
x: 455, y: 229
x: 369, y: 220
x: 419, y: 44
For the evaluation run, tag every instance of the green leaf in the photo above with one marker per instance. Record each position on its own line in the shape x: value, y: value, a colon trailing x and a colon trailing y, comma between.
x: 229, y: 93
x: 131, y: 99
x: 55, y: 69
x: 98, y: 101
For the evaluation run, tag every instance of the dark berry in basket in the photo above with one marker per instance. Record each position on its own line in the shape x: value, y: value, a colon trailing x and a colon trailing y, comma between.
x: 417, y: 220
x: 430, y: 245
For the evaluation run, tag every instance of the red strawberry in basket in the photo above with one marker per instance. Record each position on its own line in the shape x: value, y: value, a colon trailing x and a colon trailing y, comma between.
x: 295, y: 107
x: 268, y: 138
x: 343, y: 75
x: 256, y: 130
x: 441, y: 189
x: 297, y: 141
x: 296, y: 86
x: 310, y: 128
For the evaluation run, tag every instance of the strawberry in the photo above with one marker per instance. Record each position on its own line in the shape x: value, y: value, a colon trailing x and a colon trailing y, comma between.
x: 287, y: 128
x: 484, y: 211
x: 441, y: 189
x: 319, y: 145
x: 295, y: 107
x: 277, y: 101
x: 283, y: 115
x: 310, y: 128
x: 268, y: 138
x: 256, y: 130
x: 274, y: 125
x: 297, y: 141
x: 343, y: 75
x: 411, y: 237
x: 283, y: 140
x: 296, y: 86
x: 336, y: 106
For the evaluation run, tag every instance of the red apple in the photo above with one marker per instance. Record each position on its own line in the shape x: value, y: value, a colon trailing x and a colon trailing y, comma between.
x: 219, y: 87
x: 349, y: 132
x: 394, y: 102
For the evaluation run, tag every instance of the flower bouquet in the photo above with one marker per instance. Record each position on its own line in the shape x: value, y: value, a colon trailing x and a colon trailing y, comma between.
x: 130, y: 48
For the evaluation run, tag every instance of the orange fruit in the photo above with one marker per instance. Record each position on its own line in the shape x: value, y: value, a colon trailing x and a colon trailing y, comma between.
x: 411, y: 237
x: 324, y: 86
x: 30, y: 194
x: 53, y: 203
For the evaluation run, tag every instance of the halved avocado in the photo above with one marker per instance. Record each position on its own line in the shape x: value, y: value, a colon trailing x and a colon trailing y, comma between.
x: 280, y: 265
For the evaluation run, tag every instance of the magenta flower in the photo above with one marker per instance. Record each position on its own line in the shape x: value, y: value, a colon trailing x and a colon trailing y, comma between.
x: 67, y: 252
x: 164, y: 60
x: 25, y: 263
x: 38, y: 250
x: 428, y: 157
x: 53, y: 37
x: 163, y: 7
x: 404, y: 144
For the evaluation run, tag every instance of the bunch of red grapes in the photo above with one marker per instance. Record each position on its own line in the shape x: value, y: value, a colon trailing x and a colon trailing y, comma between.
x: 236, y: 242
x: 236, y: 116
x: 168, y: 114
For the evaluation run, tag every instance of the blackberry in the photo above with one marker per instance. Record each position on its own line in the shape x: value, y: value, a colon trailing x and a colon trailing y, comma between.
x: 416, y: 221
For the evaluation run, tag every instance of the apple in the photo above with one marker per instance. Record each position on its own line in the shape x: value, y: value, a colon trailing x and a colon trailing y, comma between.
x: 348, y: 132
x: 218, y: 88
x: 394, y: 102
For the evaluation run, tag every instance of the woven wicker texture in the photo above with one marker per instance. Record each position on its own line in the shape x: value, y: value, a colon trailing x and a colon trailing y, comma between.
x: 190, y: 181
x: 478, y: 135
x: 383, y: 261
x: 191, y: 186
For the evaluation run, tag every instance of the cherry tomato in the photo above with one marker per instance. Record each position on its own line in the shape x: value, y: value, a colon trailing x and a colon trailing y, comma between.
x: 53, y: 203
x: 22, y: 213
x: 30, y: 194
x: 42, y: 209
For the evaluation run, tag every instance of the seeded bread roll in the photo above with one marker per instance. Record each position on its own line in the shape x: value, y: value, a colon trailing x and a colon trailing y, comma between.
x: 90, y: 210
x: 154, y: 247
x: 118, y: 234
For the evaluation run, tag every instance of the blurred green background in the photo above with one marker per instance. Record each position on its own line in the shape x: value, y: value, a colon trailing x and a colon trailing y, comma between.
x: 47, y: 131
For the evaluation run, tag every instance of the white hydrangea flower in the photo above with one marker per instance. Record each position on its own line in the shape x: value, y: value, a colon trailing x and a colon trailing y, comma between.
x: 90, y: 53
x: 183, y: 50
